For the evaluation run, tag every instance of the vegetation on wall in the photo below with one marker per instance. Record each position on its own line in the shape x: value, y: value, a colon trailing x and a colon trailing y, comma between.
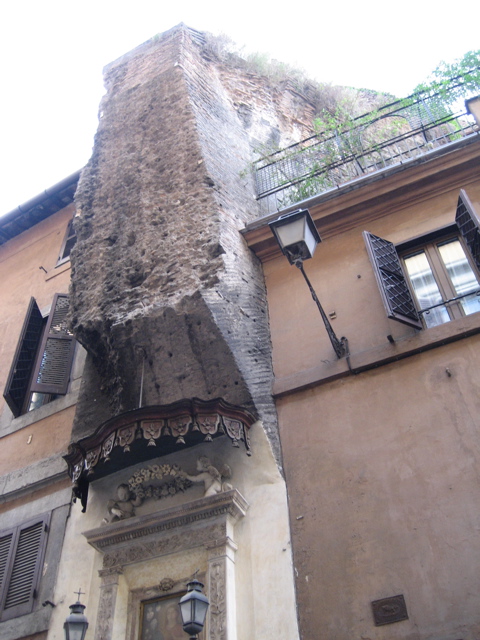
x: 354, y: 131
x: 347, y: 145
x: 324, y: 97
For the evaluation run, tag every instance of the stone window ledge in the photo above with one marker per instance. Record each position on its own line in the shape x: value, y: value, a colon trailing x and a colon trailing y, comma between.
x: 36, y: 476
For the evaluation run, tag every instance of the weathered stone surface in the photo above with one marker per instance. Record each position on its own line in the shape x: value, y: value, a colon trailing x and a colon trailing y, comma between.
x: 162, y: 279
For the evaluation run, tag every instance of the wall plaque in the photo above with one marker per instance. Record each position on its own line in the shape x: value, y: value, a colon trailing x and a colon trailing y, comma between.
x: 388, y: 610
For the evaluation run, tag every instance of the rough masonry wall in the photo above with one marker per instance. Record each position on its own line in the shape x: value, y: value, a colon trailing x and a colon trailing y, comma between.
x: 162, y: 279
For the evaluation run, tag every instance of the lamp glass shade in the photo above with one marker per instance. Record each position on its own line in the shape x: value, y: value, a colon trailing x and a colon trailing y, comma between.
x: 76, y: 624
x: 193, y: 608
x: 296, y: 235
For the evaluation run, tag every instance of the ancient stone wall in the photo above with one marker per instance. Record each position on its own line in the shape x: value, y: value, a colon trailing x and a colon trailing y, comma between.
x: 162, y: 280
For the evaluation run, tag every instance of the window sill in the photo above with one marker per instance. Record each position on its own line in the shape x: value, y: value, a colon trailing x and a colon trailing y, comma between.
x: 9, y: 425
x: 59, y: 268
x: 382, y: 355
x: 51, y: 471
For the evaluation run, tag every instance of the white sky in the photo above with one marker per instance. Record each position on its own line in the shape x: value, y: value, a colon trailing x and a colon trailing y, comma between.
x: 53, y: 52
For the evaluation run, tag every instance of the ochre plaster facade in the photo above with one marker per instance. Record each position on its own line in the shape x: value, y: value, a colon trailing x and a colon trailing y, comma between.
x: 381, y: 461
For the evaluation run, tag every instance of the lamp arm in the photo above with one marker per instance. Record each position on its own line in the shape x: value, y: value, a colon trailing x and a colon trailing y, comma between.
x: 339, y: 346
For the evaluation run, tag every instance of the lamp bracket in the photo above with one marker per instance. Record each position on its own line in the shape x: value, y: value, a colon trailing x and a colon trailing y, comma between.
x: 340, y: 346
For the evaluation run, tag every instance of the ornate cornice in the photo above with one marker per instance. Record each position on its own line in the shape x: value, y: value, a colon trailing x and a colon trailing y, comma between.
x: 150, y: 432
x: 135, y: 539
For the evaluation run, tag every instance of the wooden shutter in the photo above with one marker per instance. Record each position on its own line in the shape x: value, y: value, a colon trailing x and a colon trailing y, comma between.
x: 23, y: 563
x: 54, y: 361
x: 469, y: 226
x: 391, y: 281
x: 18, y: 380
x: 6, y: 548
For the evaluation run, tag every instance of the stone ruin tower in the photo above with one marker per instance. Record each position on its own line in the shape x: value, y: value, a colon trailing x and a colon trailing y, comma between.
x: 166, y: 297
x: 170, y: 305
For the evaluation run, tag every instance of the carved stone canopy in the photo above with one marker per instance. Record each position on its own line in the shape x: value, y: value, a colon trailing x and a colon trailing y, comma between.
x: 151, y: 432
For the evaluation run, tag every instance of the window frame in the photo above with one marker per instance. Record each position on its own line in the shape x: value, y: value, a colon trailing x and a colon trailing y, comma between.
x: 391, y: 274
x: 430, y: 248
x: 26, y: 575
x: 70, y: 234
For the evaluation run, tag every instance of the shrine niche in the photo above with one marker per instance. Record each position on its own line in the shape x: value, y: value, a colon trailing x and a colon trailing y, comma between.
x: 207, y: 525
x: 152, y: 432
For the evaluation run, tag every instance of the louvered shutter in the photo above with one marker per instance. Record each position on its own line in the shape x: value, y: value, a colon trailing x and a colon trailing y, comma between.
x: 6, y: 547
x: 391, y: 281
x: 52, y: 369
x: 18, y: 380
x: 468, y: 224
x: 22, y: 567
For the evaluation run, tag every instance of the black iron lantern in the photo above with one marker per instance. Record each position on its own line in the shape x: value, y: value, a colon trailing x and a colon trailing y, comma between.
x: 297, y: 235
x: 76, y: 623
x: 193, y: 608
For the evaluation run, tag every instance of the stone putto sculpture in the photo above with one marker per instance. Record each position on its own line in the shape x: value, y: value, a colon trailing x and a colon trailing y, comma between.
x: 123, y: 505
x: 131, y: 495
x: 214, y: 479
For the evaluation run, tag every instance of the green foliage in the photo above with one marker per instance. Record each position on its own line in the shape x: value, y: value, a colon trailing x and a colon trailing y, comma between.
x: 454, y: 80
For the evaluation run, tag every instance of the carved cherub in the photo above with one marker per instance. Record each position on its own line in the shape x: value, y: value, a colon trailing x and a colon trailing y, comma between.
x: 123, y: 506
x: 214, y: 479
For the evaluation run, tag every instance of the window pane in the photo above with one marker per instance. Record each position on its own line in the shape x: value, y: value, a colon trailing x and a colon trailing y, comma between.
x: 426, y: 289
x: 461, y: 274
x: 39, y: 399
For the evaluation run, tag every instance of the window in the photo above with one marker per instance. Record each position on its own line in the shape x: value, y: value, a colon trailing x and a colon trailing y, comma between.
x: 440, y: 271
x: 41, y: 367
x: 435, y: 277
x: 21, y: 556
x: 67, y: 245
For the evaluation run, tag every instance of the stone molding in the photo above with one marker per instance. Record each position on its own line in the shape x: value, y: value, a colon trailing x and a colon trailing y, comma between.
x: 112, y: 536
x: 134, y: 436
x: 207, y: 522
x: 36, y: 476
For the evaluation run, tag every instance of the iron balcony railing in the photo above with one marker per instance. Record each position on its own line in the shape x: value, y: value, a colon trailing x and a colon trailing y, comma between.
x: 391, y: 135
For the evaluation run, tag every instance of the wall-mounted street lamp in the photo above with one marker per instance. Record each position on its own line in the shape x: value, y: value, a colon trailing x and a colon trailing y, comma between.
x: 193, y: 608
x: 76, y: 624
x: 298, y: 237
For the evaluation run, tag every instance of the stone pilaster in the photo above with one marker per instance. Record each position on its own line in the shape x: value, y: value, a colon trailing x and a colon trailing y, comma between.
x: 222, y: 619
x: 106, y: 607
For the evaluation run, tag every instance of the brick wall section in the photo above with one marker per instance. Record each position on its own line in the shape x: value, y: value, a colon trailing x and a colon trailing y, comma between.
x: 238, y: 302
x: 160, y: 269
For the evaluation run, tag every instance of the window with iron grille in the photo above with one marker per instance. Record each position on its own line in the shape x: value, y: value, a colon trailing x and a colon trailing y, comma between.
x: 41, y: 366
x: 22, y: 551
x: 434, y: 279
